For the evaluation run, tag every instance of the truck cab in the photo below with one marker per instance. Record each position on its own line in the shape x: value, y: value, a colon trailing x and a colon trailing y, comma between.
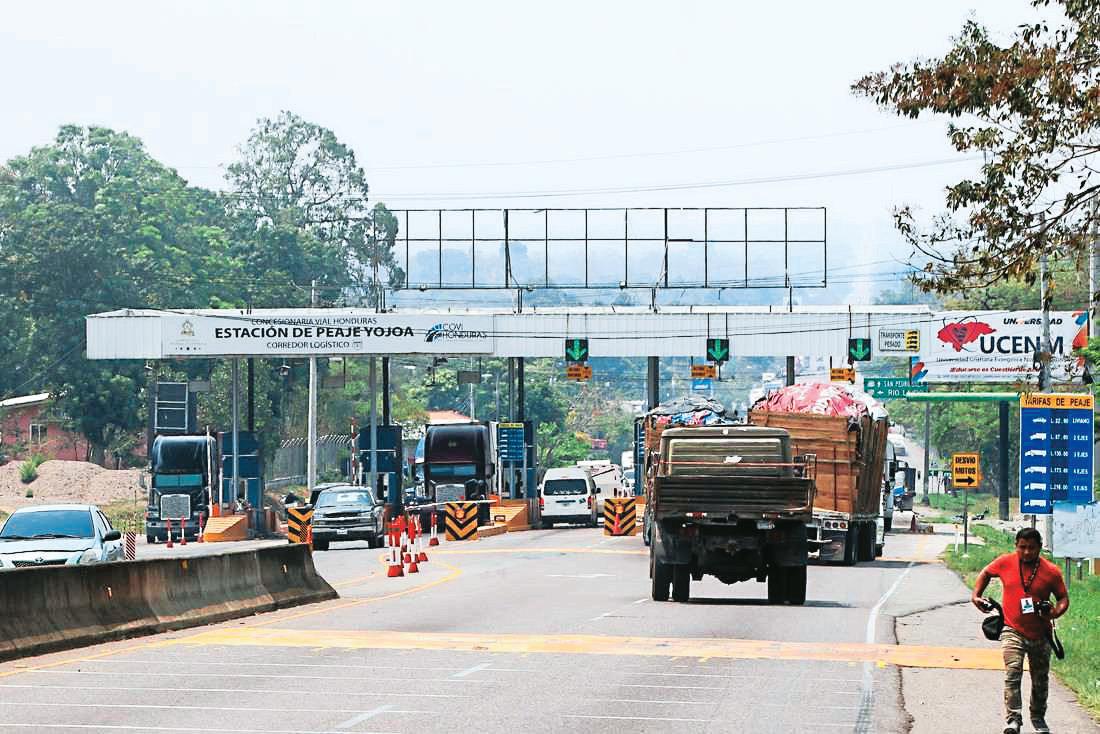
x: 183, y: 469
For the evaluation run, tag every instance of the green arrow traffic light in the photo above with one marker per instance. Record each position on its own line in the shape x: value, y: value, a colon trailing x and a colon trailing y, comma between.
x: 859, y: 350
x: 718, y: 350
x: 576, y: 350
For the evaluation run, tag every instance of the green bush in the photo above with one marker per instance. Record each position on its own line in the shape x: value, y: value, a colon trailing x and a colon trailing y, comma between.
x: 28, y: 470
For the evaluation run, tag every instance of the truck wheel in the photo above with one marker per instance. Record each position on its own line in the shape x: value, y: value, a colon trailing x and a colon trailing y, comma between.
x: 851, y: 545
x: 795, y: 578
x: 662, y: 578
x: 546, y: 524
x: 777, y: 585
x: 866, y: 536
x: 150, y: 539
x: 681, y: 583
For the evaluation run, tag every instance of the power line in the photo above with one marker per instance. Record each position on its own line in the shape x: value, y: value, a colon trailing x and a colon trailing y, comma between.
x: 620, y: 156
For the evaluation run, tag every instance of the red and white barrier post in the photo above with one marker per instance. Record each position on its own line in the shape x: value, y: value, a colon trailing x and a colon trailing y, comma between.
x: 434, y: 539
x: 169, y: 543
x: 421, y: 556
x: 394, y: 568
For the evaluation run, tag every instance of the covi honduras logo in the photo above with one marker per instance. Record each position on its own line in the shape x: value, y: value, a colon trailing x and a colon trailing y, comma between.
x: 451, y: 330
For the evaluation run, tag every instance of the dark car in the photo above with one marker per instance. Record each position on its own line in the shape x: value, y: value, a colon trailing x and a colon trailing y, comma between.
x: 346, y: 512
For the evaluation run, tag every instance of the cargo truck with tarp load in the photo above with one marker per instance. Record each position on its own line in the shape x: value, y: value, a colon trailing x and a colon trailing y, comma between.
x: 733, y: 502
x: 846, y: 430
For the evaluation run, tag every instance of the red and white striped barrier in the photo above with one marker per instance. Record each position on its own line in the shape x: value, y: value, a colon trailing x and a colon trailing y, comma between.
x: 130, y: 546
x: 169, y: 543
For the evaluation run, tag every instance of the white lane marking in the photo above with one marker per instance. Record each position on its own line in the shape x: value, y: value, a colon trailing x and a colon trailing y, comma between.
x: 471, y: 671
x: 664, y: 687
x: 176, y: 660
x: 364, y: 717
x: 660, y: 701
x: 178, y: 707
x: 867, y: 683
x: 173, y: 674
x: 640, y: 601
x: 605, y: 615
x: 743, y: 675
x: 201, y: 729
x: 579, y: 575
x: 636, y: 718
x: 277, y: 691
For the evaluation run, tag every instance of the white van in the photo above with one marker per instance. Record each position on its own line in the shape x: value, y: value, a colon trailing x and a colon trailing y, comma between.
x: 608, y: 477
x: 568, y: 495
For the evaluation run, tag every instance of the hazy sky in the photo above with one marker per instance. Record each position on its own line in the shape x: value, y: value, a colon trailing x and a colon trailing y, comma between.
x: 491, y: 98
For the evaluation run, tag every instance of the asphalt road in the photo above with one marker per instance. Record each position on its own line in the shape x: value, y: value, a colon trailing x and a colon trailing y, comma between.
x: 538, y: 631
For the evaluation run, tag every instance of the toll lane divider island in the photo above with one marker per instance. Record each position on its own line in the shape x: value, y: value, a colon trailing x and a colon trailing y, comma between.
x: 59, y: 607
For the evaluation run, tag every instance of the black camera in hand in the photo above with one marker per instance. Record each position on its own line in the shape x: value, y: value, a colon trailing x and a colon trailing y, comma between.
x: 1044, y: 608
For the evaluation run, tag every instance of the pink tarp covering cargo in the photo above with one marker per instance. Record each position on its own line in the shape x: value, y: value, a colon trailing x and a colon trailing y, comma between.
x: 821, y: 398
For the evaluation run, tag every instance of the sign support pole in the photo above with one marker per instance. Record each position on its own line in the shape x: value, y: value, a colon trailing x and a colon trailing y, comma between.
x: 236, y: 428
x: 311, y: 430
x: 1044, y: 374
x: 927, y: 445
x: 1002, y: 450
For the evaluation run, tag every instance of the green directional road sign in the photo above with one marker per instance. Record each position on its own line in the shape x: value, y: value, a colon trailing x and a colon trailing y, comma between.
x: 718, y: 350
x: 576, y: 350
x: 859, y: 350
x: 891, y: 388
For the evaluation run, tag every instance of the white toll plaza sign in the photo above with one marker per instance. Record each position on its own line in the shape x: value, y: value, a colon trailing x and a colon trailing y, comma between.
x: 322, y: 331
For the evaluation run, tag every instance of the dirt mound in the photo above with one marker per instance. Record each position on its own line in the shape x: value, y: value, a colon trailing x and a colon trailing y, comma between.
x: 67, y: 481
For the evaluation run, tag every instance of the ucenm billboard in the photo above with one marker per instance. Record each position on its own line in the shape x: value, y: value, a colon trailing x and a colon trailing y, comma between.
x: 999, y: 346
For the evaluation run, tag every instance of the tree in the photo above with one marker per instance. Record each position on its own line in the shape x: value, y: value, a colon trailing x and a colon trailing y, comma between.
x: 300, y: 203
x: 1031, y: 109
x: 92, y: 223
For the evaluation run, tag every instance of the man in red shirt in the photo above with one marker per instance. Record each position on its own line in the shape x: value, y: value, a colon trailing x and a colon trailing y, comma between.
x: 1028, y: 581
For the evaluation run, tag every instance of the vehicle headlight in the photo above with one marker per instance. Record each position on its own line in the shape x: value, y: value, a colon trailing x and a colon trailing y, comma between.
x: 89, y: 556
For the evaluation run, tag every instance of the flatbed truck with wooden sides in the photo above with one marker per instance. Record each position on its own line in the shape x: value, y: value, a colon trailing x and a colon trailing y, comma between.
x: 850, y: 451
x: 729, y: 501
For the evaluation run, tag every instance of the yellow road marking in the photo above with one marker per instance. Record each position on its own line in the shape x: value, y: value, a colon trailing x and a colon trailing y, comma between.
x: 354, y: 581
x: 916, y: 656
x: 325, y: 608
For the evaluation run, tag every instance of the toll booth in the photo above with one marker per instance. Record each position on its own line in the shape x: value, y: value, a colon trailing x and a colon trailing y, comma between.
x: 250, y: 472
x: 391, y: 461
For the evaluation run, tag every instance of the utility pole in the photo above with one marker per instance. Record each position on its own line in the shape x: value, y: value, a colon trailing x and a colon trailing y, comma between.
x: 1044, y: 373
x: 1094, y: 283
x: 311, y: 429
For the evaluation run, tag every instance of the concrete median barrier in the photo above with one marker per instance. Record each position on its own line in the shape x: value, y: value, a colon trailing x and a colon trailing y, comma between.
x: 53, y: 608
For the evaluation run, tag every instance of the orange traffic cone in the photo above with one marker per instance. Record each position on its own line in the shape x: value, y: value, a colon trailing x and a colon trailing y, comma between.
x: 169, y: 543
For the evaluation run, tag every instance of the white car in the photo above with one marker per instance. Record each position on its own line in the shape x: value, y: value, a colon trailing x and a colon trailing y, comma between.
x: 568, y: 495
x: 58, y: 535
